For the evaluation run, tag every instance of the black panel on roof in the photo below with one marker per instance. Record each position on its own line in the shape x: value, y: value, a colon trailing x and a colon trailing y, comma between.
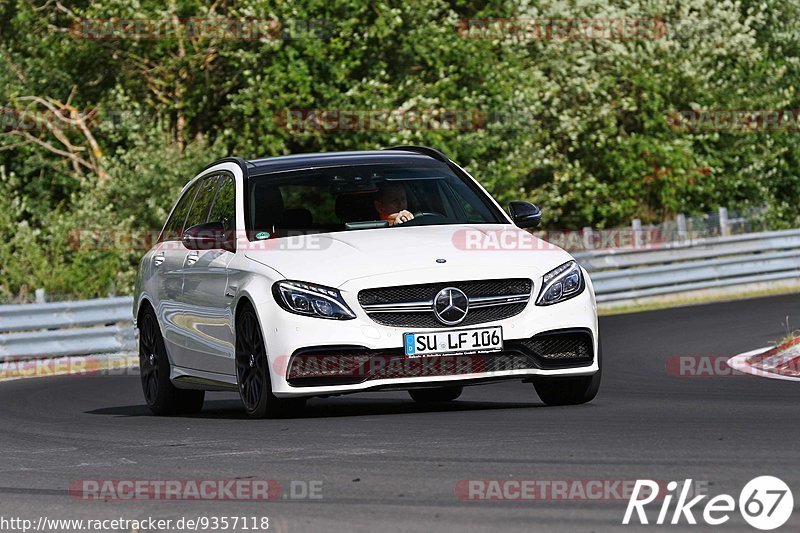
x: 259, y: 167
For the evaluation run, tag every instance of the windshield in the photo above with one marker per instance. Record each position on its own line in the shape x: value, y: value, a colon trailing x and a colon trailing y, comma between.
x: 362, y: 197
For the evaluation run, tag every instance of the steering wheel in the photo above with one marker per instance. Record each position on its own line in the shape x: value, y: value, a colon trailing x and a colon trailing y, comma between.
x: 422, y: 218
x: 427, y: 214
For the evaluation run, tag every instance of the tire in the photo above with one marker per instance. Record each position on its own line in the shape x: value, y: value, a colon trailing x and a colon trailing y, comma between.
x: 434, y: 395
x: 570, y: 390
x: 162, y: 397
x: 252, y: 372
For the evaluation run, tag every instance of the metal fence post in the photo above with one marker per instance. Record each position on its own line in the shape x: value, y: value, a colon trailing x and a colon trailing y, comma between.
x: 636, y: 226
x: 724, y: 227
x: 680, y: 220
x: 40, y: 296
x: 588, y: 243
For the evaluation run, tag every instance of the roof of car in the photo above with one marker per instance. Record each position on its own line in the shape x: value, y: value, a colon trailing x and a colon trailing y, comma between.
x: 418, y: 155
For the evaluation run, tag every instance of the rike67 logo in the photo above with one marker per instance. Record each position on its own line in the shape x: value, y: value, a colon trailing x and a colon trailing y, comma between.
x: 765, y: 503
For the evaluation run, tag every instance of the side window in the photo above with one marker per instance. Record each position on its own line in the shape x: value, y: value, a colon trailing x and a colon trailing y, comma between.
x: 198, y: 214
x: 174, y: 226
x: 473, y: 211
x: 224, y: 207
x: 425, y: 195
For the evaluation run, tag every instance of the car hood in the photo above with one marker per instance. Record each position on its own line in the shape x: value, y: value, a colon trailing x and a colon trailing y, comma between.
x: 465, y: 251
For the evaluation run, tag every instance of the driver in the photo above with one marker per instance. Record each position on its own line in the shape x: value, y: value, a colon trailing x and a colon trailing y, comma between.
x: 391, y: 203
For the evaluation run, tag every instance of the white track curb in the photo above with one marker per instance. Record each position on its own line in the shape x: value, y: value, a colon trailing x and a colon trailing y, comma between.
x: 768, y: 366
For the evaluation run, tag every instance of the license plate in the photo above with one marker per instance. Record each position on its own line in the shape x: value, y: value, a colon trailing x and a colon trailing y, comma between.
x: 457, y: 341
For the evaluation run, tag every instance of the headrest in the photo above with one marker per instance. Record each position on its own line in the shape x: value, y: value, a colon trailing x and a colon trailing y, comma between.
x: 268, y: 205
x: 297, y: 218
x: 356, y: 207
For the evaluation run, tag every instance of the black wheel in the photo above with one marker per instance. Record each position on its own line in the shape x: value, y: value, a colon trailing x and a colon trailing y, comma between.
x: 162, y: 397
x: 437, y: 394
x: 570, y: 390
x: 252, y: 372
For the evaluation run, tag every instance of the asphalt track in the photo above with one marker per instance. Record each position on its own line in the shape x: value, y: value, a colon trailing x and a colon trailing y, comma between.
x: 387, y: 464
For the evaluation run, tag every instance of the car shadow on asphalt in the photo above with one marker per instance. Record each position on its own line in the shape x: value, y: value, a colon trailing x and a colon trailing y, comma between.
x: 326, y: 408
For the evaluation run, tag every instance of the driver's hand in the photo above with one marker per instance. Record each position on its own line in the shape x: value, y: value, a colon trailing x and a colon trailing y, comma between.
x: 399, y: 218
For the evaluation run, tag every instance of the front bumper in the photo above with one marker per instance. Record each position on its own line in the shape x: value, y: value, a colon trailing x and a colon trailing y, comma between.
x: 311, y: 356
x: 349, y: 365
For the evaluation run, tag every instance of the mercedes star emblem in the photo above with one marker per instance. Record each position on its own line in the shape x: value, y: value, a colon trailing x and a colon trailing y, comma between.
x: 450, y: 306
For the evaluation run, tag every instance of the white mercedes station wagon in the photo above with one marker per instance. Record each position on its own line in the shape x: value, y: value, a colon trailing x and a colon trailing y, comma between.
x: 325, y: 274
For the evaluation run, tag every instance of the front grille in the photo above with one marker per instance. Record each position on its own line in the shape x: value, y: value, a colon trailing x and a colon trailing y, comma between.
x: 426, y: 292
x: 428, y: 320
x: 347, y: 365
x: 418, y: 293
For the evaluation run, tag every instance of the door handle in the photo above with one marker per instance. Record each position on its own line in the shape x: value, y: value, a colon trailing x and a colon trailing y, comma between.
x: 191, y: 258
x: 158, y: 259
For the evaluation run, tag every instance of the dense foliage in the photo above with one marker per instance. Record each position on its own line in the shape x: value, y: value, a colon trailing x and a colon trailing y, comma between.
x: 102, y: 132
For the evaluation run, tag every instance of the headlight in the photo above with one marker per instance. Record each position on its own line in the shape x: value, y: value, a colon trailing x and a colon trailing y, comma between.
x: 311, y: 300
x: 561, y: 283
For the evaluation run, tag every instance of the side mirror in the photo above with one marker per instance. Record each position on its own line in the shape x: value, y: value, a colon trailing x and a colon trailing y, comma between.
x: 525, y: 214
x: 208, y: 236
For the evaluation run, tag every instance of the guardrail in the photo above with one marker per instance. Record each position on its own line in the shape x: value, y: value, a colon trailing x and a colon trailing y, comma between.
x: 104, y: 325
x: 66, y: 328
x: 694, y: 265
